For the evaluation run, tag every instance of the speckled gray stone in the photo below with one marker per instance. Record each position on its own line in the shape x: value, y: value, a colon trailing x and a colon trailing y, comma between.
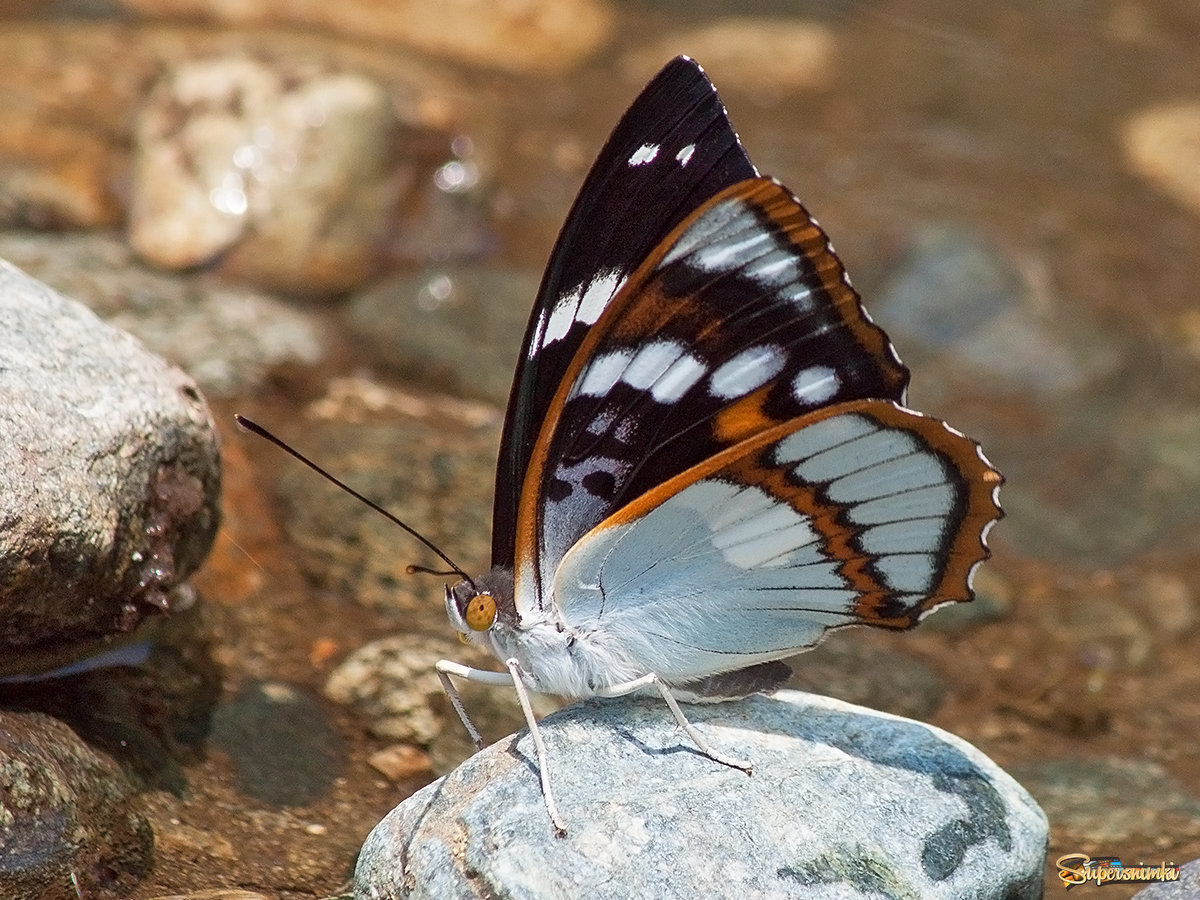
x: 844, y: 802
x: 109, y: 476
x: 69, y: 819
x: 1186, y: 888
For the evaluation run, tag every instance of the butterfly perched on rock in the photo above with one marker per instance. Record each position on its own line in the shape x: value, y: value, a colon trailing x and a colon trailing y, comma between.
x: 706, y: 461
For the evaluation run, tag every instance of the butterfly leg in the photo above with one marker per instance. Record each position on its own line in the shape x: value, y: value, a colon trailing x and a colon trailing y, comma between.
x: 445, y: 668
x: 629, y: 687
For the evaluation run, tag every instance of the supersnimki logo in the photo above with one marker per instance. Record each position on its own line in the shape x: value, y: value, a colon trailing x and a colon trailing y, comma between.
x: 1075, y: 869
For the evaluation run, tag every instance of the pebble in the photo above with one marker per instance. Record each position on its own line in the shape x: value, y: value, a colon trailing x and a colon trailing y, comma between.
x: 1168, y: 602
x: 398, y: 762
x: 952, y: 295
x: 1162, y: 145
x: 513, y: 35
x: 70, y: 821
x: 755, y: 55
x: 283, y: 174
x: 456, y: 329
x: 284, y: 749
x: 393, y: 683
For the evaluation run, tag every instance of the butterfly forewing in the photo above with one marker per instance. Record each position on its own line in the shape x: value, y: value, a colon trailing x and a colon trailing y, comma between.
x: 740, y: 320
x: 859, y: 513
x: 672, y: 150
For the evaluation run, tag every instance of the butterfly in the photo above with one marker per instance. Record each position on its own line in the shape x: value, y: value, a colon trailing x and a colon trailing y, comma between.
x: 706, y: 461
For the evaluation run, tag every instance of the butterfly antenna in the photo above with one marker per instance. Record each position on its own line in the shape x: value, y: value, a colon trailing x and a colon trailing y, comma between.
x: 255, y: 428
x: 413, y: 569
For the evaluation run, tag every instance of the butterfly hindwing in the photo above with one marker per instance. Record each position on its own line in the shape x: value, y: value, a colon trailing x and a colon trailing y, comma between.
x: 860, y: 513
x: 673, y: 149
x: 740, y: 320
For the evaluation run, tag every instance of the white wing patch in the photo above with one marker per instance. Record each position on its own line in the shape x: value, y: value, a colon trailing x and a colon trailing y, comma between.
x: 665, y: 368
x: 747, y: 371
x: 815, y: 385
x: 644, y: 154
x: 584, y: 305
x: 729, y: 237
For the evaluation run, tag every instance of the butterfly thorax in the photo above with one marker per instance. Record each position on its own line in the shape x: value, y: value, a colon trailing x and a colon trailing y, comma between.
x: 554, y: 657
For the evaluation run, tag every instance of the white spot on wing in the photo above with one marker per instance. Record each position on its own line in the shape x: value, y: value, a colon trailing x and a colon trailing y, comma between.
x: 745, y: 372
x: 644, y: 154
x: 602, y: 288
x: 909, y: 536
x: 922, y: 503
x: 650, y: 362
x: 799, y: 296
x: 730, y: 255
x: 777, y: 270
x: 684, y: 156
x: 816, y: 384
x: 678, y: 379
x: 865, y: 456
x: 561, y: 318
x: 908, y: 574
x: 819, y: 436
x: 664, y: 368
x: 603, y: 372
x: 584, y: 304
x: 729, y: 215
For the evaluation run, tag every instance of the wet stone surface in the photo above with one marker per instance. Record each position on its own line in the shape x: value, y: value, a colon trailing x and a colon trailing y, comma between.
x: 280, y: 742
x: 108, y: 504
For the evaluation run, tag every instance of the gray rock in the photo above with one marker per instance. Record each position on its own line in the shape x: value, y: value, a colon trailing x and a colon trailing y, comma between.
x: 225, y: 336
x: 843, y: 802
x: 1112, y: 802
x: 109, y: 475
x: 68, y: 826
x: 458, y: 328
x: 1186, y: 888
x: 958, y: 300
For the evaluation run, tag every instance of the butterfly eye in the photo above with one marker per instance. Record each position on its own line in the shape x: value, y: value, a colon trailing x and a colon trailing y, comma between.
x: 480, y: 612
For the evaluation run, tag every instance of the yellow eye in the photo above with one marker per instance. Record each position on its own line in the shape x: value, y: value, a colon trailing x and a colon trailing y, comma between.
x: 480, y: 612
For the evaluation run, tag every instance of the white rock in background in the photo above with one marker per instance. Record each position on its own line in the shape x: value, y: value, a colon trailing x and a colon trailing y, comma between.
x: 392, y: 681
x: 109, y: 475
x: 844, y: 802
x: 1162, y: 144
x: 287, y: 175
x: 757, y: 55
x: 515, y: 35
